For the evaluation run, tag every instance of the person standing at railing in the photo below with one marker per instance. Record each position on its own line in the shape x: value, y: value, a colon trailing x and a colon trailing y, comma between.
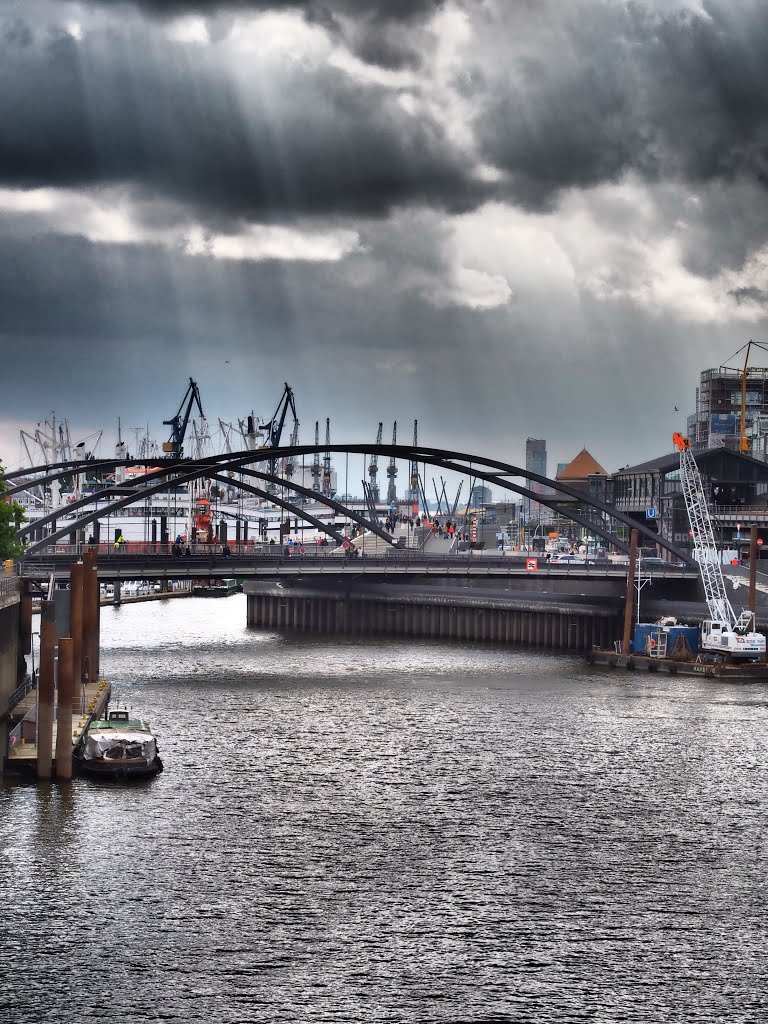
x: 119, y: 543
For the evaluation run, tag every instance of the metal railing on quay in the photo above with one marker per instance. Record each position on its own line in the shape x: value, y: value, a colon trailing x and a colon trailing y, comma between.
x: 30, y: 683
x: 9, y: 585
x: 743, y: 512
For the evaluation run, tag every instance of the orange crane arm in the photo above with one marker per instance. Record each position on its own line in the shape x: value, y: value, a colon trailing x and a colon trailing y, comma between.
x: 681, y: 442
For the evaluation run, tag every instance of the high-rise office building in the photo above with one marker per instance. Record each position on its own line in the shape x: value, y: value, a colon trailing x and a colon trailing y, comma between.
x: 536, y: 455
x: 536, y: 462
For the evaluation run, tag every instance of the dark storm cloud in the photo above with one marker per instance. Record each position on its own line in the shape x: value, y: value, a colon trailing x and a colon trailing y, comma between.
x: 382, y: 10
x: 567, y: 96
x: 383, y: 32
x: 105, y: 331
x: 126, y: 325
x: 591, y: 90
x: 114, y: 108
x: 751, y: 294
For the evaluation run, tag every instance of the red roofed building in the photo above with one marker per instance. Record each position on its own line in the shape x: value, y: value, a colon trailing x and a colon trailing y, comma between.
x: 585, y: 474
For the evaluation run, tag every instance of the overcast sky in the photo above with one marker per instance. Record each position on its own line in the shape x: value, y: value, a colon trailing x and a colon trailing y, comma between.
x: 505, y: 218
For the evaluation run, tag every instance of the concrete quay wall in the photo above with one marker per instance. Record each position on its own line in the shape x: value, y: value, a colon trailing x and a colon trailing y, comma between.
x: 10, y: 617
x: 465, y: 614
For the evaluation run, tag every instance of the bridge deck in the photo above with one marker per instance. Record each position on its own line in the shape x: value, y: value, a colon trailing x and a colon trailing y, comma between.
x: 137, y: 565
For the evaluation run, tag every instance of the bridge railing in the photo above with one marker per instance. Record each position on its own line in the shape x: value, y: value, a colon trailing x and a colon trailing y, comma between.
x: 743, y: 512
x: 147, y: 567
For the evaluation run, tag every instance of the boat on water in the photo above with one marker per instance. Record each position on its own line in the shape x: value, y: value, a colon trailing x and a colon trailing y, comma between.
x: 118, y: 747
x: 222, y: 588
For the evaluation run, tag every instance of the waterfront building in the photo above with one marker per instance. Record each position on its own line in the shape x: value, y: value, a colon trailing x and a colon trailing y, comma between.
x: 585, y: 474
x: 736, y: 488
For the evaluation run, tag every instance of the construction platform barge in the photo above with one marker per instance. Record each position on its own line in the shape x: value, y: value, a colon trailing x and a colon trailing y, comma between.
x: 735, y: 672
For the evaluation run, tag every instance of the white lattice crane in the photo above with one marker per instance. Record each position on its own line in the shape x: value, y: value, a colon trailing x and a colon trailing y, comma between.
x: 724, y: 630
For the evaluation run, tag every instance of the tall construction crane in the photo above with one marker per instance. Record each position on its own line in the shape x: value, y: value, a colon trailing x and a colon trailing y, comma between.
x: 178, y: 423
x: 745, y: 443
x: 392, y: 474
x: 328, y: 490
x: 413, y: 495
x: 316, y: 469
x: 724, y: 631
x: 373, y: 470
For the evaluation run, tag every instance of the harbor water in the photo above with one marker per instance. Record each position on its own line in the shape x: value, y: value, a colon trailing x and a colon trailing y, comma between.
x: 381, y: 831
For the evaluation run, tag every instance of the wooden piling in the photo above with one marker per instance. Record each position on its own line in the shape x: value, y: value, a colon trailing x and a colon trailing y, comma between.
x: 629, y: 602
x: 90, y: 618
x: 64, y: 709
x: 45, y: 689
x: 76, y: 608
x: 25, y: 626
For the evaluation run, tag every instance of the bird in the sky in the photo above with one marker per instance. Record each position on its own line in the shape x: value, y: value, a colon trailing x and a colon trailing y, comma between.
x: 676, y: 409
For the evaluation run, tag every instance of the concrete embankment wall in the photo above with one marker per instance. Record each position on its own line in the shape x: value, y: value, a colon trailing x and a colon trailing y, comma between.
x: 9, y: 644
x: 10, y: 610
x: 526, y: 622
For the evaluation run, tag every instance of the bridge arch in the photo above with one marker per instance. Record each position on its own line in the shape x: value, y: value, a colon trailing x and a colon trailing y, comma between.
x: 493, y: 471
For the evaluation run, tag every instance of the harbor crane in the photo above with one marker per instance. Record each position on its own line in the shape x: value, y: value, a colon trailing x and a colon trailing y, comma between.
x: 723, y: 631
x: 178, y: 424
x: 414, y: 494
x: 328, y: 491
x: 316, y: 469
x: 392, y: 473
x: 373, y: 470
x: 274, y: 428
x: 290, y: 462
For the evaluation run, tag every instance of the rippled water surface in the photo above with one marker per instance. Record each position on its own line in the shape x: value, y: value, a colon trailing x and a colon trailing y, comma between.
x: 372, y: 831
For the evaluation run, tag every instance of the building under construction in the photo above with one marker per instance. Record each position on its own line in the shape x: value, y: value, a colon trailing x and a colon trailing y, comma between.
x: 720, y: 397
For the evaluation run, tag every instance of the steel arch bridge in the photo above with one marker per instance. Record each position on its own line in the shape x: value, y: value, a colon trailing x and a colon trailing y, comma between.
x: 593, y: 515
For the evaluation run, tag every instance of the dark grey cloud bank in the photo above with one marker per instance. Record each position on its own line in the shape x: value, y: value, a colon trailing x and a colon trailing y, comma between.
x: 119, y: 329
x: 562, y: 96
x: 86, y: 114
x: 381, y: 32
x: 599, y: 89
x: 559, y: 98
